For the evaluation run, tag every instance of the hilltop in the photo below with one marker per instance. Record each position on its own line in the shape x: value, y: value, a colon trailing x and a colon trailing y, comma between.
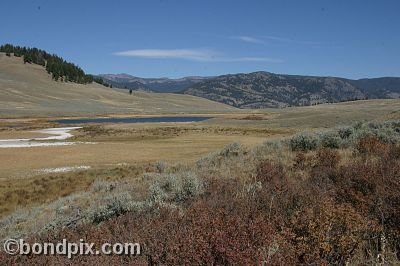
x: 28, y: 90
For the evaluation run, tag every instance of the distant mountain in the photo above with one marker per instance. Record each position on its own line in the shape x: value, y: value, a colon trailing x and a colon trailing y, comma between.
x: 264, y: 89
x: 150, y: 84
x: 387, y: 87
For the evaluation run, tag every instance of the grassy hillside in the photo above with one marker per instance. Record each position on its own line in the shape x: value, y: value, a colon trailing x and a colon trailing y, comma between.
x: 28, y: 90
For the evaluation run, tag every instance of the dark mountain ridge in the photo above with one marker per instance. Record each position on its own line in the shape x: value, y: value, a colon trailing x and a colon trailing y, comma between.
x: 265, y: 89
x: 150, y: 84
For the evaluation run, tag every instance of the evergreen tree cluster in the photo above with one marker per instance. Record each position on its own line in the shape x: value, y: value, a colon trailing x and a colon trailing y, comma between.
x: 101, y: 81
x: 55, y: 65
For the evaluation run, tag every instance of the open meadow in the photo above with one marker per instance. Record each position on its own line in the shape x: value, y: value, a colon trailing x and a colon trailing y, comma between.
x: 25, y: 172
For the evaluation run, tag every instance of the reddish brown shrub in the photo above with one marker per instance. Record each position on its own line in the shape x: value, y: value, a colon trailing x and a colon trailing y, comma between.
x: 334, y: 214
x: 327, y: 158
x: 369, y: 145
x: 329, y: 232
x: 301, y: 161
x: 200, y: 236
x: 270, y: 172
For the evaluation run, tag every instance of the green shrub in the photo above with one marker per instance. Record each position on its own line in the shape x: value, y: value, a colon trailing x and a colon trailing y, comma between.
x: 157, y: 195
x: 176, y: 188
x: 303, y: 142
x: 345, y: 132
x: 232, y: 149
x: 191, y: 187
x: 115, y: 205
x: 209, y: 161
x: 330, y: 140
x: 103, y: 186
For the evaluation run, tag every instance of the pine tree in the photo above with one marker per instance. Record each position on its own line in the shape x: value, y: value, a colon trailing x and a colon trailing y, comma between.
x: 54, y: 65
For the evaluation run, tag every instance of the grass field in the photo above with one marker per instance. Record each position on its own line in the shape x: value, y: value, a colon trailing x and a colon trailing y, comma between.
x: 141, y: 144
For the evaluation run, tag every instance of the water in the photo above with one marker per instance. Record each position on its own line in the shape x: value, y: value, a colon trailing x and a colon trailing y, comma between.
x: 170, y: 119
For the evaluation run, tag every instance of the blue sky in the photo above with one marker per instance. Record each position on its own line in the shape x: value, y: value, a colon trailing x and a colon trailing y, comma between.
x: 166, y: 38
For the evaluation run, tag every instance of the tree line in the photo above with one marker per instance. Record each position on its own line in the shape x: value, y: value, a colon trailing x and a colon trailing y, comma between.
x: 60, y: 69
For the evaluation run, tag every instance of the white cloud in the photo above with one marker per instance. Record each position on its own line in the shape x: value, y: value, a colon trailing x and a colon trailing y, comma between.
x: 288, y: 40
x: 189, y: 54
x: 248, y: 39
x: 267, y: 39
x: 201, y: 55
x: 276, y: 38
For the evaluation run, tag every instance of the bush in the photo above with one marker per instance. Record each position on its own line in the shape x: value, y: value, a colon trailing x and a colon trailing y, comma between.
x: 328, y: 158
x: 386, y: 132
x: 103, y: 186
x: 232, y: 149
x: 191, y: 187
x: 300, y: 161
x: 115, y: 205
x: 176, y: 188
x: 369, y: 145
x: 161, y: 166
x: 330, y: 140
x: 335, y: 231
x: 303, y: 142
x: 345, y: 132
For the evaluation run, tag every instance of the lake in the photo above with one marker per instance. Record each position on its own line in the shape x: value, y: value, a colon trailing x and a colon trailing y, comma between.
x: 160, y: 119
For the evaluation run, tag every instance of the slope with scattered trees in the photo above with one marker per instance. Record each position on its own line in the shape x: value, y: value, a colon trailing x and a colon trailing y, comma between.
x: 60, y: 69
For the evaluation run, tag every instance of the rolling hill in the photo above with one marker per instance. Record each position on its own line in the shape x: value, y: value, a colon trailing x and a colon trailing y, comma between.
x: 28, y: 90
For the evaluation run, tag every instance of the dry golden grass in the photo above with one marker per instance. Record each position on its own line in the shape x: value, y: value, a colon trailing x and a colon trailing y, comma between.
x: 17, y: 162
x: 14, y: 134
x: 22, y: 184
x: 18, y: 193
x: 26, y: 90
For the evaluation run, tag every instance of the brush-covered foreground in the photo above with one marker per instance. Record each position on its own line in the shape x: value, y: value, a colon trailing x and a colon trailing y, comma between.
x: 328, y: 198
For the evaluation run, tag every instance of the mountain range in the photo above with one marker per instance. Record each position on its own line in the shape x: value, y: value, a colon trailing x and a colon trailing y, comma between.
x: 150, y: 84
x: 264, y: 89
x: 252, y: 90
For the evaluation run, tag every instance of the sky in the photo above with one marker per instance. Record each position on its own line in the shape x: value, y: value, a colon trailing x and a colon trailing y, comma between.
x: 176, y: 38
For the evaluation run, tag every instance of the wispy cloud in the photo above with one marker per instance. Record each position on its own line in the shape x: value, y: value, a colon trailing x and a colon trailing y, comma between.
x: 250, y: 59
x: 288, y: 40
x: 189, y: 54
x: 201, y: 55
x: 248, y: 39
x: 269, y: 39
